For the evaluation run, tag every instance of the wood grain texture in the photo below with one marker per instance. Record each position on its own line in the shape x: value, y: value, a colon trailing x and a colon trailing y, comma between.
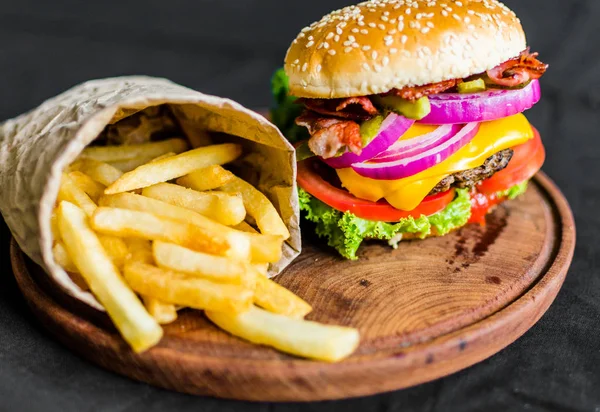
x: 425, y: 310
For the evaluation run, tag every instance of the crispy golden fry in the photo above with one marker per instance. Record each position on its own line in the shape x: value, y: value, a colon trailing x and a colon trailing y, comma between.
x: 92, y: 188
x: 222, y: 207
x: 148, y: 151
x: 163, y: 313
x: 214, y: 268
x: 245, y: 227
x: 137, y: 327
x: 130, y: 164
x: 164, y: 156
x: 296, y: 336
x: 115, y: 248
x: 140, y: 250
x: 207, y: 178
x: 174, y: 167
x: 190, y: 291
x: 130, y: 223
x: 277, y: 299
x: 99, y: 171
x: 259, y: 207
x: 197, y: 137
x: 61, y: 256
x: 70, y: 192
x: 54, y: 226
x: 263, y: 248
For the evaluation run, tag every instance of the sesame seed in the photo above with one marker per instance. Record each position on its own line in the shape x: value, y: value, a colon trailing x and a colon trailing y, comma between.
x: 319, y: 67
x: 304, y: 67
x: 364, y: 31
x: 377, y: 67
x: 355, y: 30
x: 310, y: 44
x: 372, y: 25
x: 331, y: 52
x: 425, y: 30
x: 366, y: 66
x: 393, y: 50
x: 385, y: 61
x: 336, y: 38
x: 404, y: 39
x: 296, y: 61
x: 347, y: 49
x: 366, y: 48
x: 351, y: 38
x: 381, y: 26
x: 329, y: 36
x: 374, y: 55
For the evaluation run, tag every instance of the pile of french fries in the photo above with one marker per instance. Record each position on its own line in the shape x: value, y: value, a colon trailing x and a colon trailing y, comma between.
x: 155, y: 227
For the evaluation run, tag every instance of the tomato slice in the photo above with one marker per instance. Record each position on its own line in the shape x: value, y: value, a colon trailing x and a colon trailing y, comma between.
x: 311, y: 181
x: 481, y: 204
x: 527, y: 160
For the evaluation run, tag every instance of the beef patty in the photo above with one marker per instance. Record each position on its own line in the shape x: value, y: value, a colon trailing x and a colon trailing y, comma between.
x: 471, y: 177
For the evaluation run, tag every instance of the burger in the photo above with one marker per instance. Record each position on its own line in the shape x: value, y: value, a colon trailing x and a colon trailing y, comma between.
x: 407, y: 117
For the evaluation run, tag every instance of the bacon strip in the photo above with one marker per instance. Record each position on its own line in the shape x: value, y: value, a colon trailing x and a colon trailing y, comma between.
x: 330, y: 135
x: 414, y: 93
x: 518, y: 70
x: 356, y: 108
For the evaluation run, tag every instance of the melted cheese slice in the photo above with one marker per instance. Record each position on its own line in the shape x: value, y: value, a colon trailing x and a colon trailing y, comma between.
x: 408, y: 193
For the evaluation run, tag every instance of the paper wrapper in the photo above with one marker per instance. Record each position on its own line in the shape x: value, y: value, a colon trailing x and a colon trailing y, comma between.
x: 37, y: 146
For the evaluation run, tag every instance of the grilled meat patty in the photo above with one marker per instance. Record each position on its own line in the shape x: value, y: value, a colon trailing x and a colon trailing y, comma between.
x: 470, y: 178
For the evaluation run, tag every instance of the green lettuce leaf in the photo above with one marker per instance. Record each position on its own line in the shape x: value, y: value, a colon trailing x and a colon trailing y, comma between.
x: 345, y: 232
x: 515, y: 191
x: 284, y: 110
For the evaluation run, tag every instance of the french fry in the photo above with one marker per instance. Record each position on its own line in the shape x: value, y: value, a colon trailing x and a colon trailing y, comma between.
x: 214, y: 268
x: 70, y: 192
x: 163, y: 313
x: 207, y: 178
x: 295, y: 336
x: 193, y: 292
x: 164, y: 156
x: 174, y: 167
x: 259, y: 207
x: 140, y: 250
x: 277, y: 299
x: 92, y: 188
x: 61, y: 256
x: 54, y: 226
x: 99, y: 171
x: 197, y: 137
x: 263, y: 248
x: 148, y: 151
x: 223, y: 207
x: 137, y: 327
x: 130, y: 164
x: 131, y: 223
x: 115, y: 248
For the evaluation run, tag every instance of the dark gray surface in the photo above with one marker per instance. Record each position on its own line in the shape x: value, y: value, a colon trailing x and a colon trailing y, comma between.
x: 230, y: 49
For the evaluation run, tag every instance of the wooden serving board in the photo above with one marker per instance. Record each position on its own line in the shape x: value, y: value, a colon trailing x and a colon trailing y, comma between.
x: 424, y: 311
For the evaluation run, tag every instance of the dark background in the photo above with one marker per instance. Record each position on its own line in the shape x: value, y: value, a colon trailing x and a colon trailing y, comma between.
x: 230, y: 48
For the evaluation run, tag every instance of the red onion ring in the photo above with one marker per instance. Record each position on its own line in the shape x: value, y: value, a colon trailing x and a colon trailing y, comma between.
x: 392, y: 128
x: 409, y: 166
x: 407, y: 148
x: 456, y: 108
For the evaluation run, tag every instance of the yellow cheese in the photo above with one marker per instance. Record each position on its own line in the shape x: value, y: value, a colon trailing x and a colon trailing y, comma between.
x: 407, y: 193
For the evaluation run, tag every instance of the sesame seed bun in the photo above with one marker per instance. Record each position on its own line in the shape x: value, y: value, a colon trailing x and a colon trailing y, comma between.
x: 380, y: 45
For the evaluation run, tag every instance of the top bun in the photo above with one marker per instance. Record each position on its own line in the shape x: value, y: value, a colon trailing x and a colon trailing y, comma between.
x: 380, y: 45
